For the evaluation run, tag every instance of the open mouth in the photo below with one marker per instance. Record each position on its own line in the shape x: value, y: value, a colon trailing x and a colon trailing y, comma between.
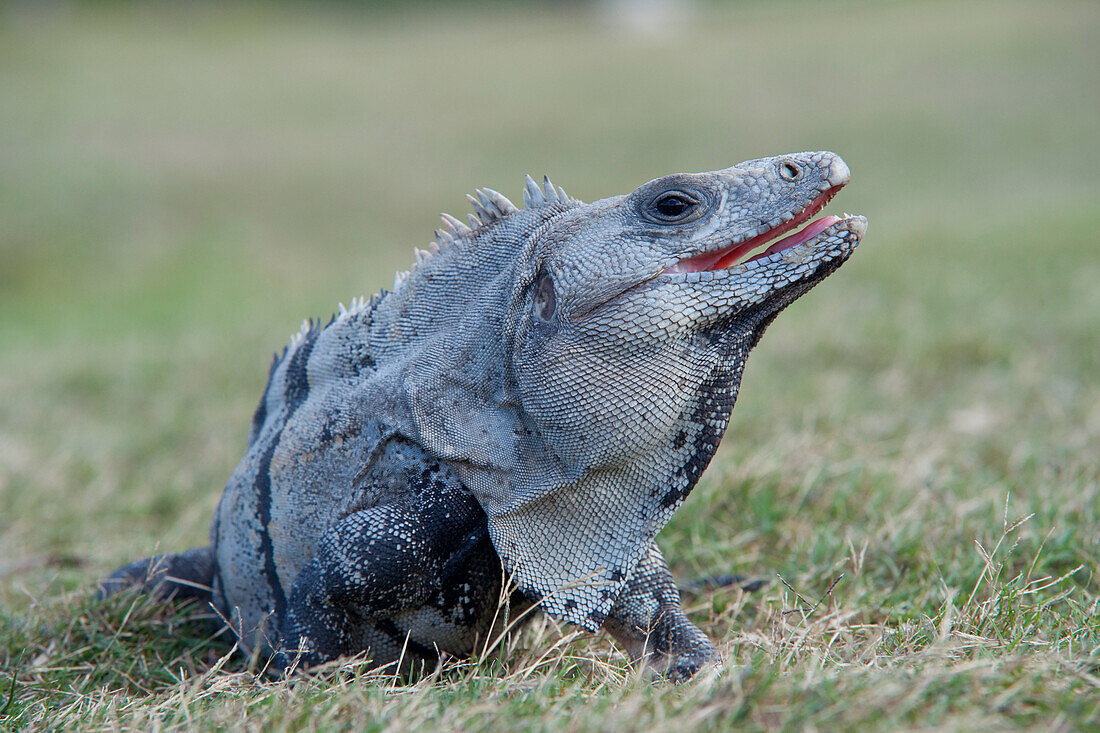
x: 737, y: 252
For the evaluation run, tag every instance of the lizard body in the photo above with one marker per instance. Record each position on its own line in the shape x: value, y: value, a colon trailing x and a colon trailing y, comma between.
x: 539, y: 394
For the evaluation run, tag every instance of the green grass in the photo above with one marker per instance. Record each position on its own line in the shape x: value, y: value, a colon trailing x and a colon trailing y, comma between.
x: 914, y: 462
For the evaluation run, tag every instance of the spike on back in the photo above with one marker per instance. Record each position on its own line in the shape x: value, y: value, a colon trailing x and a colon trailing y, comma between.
x: 456, y: 226
x: 547, y: 194
x: 489, y: 207
x: 444, y: 238
x: 532, y: 194
x: 548, y: 189
x: 296, y: 339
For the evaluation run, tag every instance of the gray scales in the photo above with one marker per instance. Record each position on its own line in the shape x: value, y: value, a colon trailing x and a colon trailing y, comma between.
x: 524, y: 410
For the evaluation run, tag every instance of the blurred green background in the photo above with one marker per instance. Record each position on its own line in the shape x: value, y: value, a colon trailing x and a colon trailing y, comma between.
x: 182, y: 183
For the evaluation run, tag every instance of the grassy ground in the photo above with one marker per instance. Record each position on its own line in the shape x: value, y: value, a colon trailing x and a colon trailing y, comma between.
x: 914, y: 460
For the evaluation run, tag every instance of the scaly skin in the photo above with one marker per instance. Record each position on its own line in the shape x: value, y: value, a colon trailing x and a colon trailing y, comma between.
x: 532, y: 401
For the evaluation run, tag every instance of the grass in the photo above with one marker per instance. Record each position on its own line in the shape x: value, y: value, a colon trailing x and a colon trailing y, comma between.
x: 913, y: 460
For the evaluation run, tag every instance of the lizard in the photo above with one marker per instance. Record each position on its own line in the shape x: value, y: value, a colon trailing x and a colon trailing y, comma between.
x: 524, y: 409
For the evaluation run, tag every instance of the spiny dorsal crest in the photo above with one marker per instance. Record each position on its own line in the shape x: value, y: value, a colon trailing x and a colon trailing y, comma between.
x: 489, y: 206
x: 535, y: 196
x: 303, y: 330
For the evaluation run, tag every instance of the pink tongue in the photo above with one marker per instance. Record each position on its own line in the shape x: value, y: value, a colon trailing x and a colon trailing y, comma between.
x: 812, y: 230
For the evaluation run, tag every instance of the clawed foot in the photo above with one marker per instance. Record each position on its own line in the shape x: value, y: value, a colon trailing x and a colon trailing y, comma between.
x: 678, y: 668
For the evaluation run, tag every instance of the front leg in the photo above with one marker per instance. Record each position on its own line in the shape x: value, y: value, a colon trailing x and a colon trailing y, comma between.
x: 400, y: 581
x: 648, y: 622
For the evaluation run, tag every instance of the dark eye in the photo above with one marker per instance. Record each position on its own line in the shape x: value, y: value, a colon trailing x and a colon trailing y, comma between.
x: 546, y: 301
x: 673, y: 206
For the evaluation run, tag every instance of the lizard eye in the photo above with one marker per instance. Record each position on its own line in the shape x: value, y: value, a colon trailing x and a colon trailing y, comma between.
x: 546, y: 301
x: 674, y: 205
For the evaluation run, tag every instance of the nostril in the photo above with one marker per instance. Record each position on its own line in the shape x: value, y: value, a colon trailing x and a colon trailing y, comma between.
x: 788, y: 171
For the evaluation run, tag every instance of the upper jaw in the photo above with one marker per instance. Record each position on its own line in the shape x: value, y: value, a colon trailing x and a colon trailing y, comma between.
x: 728, y: 255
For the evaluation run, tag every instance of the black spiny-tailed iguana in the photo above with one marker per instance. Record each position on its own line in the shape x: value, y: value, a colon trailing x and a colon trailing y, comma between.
x: 539, y: 393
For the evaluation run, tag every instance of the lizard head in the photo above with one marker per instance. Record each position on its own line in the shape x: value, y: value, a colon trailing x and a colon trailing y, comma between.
x: 639, y: 301
x: 634, y: 320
